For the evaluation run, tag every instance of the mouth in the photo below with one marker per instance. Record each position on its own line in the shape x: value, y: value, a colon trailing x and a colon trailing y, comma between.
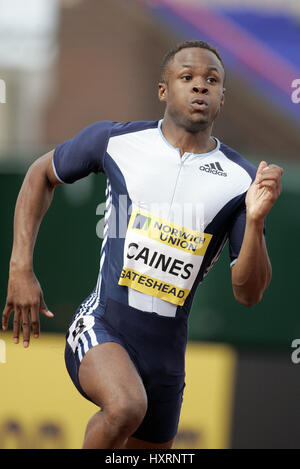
x: 199, y: 104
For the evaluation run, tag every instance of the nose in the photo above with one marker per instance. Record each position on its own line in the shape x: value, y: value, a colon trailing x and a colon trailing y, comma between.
x: 200, y: 89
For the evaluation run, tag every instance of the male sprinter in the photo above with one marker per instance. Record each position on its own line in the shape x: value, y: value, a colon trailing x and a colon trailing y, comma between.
x: 126, y: 344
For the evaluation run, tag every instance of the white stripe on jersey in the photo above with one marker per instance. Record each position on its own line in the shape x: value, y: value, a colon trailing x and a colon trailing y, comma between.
x: 80, y: 356
x: 91, y: 304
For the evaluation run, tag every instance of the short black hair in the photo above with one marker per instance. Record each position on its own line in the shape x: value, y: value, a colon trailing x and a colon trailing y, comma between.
x: 185, y: 45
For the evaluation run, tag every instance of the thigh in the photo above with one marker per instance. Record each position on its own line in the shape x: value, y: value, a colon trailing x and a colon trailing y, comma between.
x: 107, y: 375
x: 136, y: 443
x: 161, y: 421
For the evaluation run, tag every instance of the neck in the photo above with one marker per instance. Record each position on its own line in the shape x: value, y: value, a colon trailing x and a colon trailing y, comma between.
x: 185, y: 141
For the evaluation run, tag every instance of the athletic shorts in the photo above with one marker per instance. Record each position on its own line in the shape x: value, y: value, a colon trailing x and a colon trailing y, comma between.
x: 156, y: 345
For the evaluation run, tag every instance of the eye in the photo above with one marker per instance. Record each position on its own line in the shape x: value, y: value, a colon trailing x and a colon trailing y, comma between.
x: 212, y: 80
x: 186, y: 77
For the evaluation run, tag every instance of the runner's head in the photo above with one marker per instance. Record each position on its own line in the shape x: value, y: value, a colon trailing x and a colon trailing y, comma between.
x: 192, y: 85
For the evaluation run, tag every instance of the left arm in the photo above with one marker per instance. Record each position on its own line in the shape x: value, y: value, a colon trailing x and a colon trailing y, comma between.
x: 251, y: 274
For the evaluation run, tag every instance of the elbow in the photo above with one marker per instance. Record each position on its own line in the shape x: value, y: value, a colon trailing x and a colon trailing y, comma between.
x: 249, y: 292
x: 248, y: 300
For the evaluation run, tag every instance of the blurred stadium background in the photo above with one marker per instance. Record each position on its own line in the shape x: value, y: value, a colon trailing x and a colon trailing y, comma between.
x: 67, y: 63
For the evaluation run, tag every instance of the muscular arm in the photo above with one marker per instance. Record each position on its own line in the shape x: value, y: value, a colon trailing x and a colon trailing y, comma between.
x: 33, y: 202
x: 251, y: 274
x: 24, y: 295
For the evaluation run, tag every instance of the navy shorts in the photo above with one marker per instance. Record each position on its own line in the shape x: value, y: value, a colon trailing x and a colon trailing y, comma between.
x: 156, y: 345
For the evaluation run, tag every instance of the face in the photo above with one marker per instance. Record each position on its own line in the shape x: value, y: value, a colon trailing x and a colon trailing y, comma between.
x: 193, y: 92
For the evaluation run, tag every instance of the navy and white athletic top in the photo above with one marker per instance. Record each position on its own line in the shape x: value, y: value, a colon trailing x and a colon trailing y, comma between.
x: 167, y: 216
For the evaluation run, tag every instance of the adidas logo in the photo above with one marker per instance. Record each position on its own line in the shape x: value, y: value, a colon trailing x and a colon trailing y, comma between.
x: 213, y: 168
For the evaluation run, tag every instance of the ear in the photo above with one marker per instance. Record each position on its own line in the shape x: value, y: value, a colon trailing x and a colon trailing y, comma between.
x: 162, y: 92
x: 223, y: 97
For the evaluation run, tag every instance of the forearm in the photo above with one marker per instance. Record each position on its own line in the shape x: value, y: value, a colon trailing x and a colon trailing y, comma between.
x: 33, y: 201
x: 251, y: 274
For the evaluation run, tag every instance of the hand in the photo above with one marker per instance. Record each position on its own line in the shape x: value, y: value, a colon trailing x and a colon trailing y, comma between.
x: 25, y: 298
x: 264, y: 191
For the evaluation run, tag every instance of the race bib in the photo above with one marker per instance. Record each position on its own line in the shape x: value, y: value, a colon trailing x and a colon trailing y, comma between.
x: 161, y: 258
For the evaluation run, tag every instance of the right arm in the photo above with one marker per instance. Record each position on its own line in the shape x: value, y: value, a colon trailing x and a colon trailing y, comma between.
x: 24, y: 294
x: 74, y: 159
